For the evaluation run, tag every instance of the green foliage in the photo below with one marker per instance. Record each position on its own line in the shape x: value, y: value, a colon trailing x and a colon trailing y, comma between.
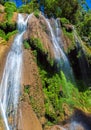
x: 37, y: 44
x: 11, y: 34
x: 26, y: 89
x: 52, y: 8
x: 3, y: 25
x: 85, y: 100
x: 36, y: 13
x: 10, y: 7
x: 25, y: 9
x: 2, y: 34
x: 84, y: 30
x: 84, y: 26
x: 58, y: 92
x: 8, y: 26
x: 35, y: 108
x: 68, y: 9
x: 64, y: 21
x: 70, y: 36
x: 35, y: 53
x: 26, y: 45
x: 29, y: 8
x: 7, y: 36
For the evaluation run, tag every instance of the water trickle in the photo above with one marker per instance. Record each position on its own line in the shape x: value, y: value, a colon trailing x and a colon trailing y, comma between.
x: 11, y: 80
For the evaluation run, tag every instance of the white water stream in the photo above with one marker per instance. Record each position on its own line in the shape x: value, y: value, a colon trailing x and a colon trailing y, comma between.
x: 11, y: 79
x: 60, y: 56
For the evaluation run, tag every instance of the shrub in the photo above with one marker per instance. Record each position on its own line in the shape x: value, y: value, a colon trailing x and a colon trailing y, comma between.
x: 11, y: 34
x: 25, y: 9
x: 59, y: 93
x: 26, y: 89
x: 26, y: 45
x: 28, y: 8
x: 2, y: 34
x: 3, y: 26
x: 36, y: 13
x: 36, y: 44
x: 8, y: 26
x: 64, y: 21
x: 10, y: 7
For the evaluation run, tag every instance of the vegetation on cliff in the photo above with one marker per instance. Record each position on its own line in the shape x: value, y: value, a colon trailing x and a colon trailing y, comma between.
x: 61, y: 96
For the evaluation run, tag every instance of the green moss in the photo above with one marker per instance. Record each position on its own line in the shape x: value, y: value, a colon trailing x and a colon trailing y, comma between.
x: 26, y: 89
x: 70, y: 36
x: 26, y: 45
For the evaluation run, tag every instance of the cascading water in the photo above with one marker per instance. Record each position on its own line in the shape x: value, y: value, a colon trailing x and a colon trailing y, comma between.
x: 60, y: 56
x: 11, y: 80
x: 58, y: 31
x: 84, y: 66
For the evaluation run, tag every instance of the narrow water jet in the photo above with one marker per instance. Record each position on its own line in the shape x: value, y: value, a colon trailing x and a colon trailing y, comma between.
x: 11, y: 79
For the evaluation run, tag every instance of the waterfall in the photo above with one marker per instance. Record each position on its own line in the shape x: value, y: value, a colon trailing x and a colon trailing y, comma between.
x: 59, y: 54
x: 11, y: 79
x: 84, y: 66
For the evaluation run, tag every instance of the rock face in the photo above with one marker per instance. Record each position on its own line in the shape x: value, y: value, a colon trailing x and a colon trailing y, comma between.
x: 37, y: 28
x: 14, y: 17
x: 31, y: 78
x: 34, y: 97
x: 28, y: 119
